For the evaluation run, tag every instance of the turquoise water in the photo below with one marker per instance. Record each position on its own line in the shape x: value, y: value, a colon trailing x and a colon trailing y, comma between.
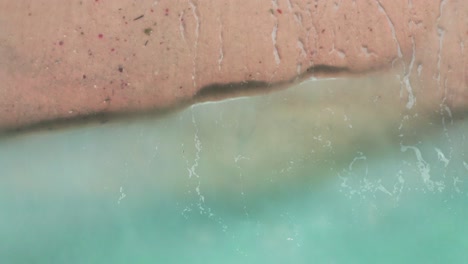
x: 330, y: 171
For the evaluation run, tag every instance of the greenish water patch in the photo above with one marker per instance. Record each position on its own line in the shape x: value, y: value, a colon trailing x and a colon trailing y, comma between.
x: 331, y: 171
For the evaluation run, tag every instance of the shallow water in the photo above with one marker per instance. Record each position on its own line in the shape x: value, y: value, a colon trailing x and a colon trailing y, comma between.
x: 330, y: 171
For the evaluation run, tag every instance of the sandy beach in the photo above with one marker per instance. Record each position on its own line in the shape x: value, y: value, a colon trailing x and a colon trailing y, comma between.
x: 67, y: 61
